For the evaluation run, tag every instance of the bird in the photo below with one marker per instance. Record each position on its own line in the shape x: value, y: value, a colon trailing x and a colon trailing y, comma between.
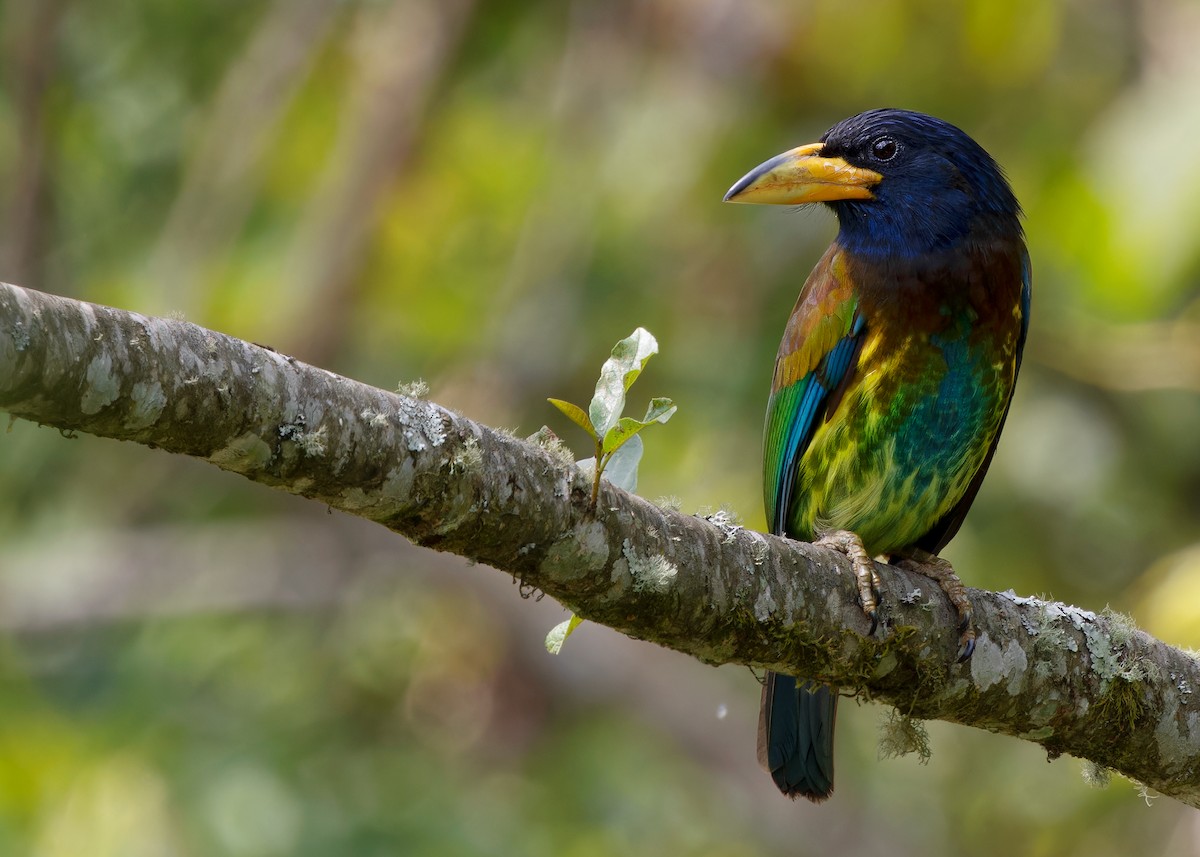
x: 894, y: 376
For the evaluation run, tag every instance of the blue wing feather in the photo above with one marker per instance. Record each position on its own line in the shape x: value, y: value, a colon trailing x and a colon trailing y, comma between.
x: 813, y: 391
x: 799, y: 433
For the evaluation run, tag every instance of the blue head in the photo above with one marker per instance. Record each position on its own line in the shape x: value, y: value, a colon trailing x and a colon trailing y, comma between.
x: 901, y: 183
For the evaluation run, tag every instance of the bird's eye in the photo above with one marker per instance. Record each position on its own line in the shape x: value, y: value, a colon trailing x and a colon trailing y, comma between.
x: 884, y: 149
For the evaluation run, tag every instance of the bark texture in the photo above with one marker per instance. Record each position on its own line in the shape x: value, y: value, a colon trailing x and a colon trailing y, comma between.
x: 1073, y: 681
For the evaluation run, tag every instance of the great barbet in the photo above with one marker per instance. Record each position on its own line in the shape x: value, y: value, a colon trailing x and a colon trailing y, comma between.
x: 894, y: 376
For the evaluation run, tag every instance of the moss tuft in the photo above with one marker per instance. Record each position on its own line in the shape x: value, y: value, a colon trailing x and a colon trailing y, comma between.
x: 1123, y: 702
x: 900, y: 735
x: 417, y: 389
x: 1096, y: 775
x: 552, y: 443
x: 466, y: 458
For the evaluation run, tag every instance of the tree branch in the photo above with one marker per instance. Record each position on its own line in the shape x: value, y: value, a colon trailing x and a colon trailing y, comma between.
x: 1074, y: 682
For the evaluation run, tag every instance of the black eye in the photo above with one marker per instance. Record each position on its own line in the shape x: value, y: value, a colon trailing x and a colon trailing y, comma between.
x: 884, y: 149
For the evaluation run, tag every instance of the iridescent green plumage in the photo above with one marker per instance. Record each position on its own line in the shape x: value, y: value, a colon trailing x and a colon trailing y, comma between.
x: 881, y: 417
x: 895, y: 372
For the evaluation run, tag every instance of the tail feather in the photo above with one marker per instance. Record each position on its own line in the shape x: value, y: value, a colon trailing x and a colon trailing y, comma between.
x: 795, y: 736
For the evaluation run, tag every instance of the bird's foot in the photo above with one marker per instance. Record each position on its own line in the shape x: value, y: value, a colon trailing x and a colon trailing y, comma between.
x: 869, y: 582
x: 942, y: 573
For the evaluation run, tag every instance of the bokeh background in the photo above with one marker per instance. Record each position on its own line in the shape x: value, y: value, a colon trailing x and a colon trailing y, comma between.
x: 487, y: 196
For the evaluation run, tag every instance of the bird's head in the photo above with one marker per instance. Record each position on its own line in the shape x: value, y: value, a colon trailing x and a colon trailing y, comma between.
x: 901, y: 183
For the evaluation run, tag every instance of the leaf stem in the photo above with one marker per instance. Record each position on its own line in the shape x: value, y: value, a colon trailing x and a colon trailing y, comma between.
x: 600, y: 462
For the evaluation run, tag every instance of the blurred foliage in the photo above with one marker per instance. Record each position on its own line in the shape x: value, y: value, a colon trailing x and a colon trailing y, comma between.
x: 487, y: 195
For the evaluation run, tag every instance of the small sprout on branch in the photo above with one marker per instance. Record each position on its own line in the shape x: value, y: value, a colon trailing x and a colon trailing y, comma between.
x: 618, y: 447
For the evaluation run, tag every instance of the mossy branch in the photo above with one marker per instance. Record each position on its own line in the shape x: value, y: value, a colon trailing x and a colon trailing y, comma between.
x: 1073, y: 681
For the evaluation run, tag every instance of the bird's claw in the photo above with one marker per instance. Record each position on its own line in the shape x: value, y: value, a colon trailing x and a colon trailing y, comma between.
x: 966, y: 634
x: 942, y: 573
x: 966, y: 648
x: 866, y: 576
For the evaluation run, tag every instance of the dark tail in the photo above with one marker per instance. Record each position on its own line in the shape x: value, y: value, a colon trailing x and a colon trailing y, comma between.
x: 795, y: 736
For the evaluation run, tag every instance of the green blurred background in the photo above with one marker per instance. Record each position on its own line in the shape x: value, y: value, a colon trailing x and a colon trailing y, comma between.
x: 488, y: 196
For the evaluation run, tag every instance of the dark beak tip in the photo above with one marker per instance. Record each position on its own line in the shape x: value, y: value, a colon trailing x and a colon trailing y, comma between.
x: 739, y: 186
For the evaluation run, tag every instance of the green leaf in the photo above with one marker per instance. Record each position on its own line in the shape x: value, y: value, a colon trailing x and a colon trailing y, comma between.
x: 621, y: 466
x: 625, y: 428
x: 660, y: 411
x: 559, y: 633
x: 575, y: 414
x: 628, y: 358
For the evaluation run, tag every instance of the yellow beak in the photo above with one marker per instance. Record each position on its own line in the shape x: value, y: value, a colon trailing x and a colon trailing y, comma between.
x: 801, y: 176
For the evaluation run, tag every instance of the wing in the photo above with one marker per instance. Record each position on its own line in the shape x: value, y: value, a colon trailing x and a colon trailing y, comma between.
x: 947, y: 527
x: 816, y: 358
